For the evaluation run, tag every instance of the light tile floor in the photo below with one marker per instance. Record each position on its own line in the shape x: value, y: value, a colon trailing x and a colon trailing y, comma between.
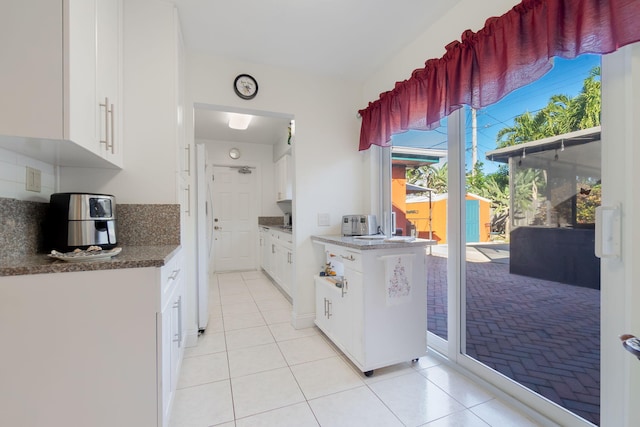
x: 252, y: 368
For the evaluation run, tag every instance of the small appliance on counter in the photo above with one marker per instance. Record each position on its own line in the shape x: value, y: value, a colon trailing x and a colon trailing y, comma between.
x: 80, y: 220
x: 359, y: 225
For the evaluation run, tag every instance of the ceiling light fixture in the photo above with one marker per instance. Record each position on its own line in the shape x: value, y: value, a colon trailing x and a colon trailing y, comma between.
x: 239, y: 121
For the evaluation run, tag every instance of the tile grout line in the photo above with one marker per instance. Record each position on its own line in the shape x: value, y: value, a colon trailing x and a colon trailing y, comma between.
x: 226, y: 350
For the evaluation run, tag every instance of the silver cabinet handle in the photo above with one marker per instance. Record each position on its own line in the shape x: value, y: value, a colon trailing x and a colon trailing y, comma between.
x: 174, y: 274
x: 188, y: 149
x: 112, y: 145
x: 188, y: 210
x: 178, y: 336
x: 329, y: 309
x: 105, y: 141
x: 349, y: 258
x: 326, y: 310
x: 345, y: 287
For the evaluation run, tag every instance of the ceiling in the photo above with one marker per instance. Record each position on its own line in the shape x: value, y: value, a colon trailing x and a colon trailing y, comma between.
x: 347, y: 39
x: 213, y: 125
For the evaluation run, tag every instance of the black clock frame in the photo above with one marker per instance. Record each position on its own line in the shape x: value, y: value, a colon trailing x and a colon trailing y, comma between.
x: 240, y: 94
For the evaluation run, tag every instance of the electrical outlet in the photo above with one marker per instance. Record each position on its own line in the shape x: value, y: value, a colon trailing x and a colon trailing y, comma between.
x: 33, y: 180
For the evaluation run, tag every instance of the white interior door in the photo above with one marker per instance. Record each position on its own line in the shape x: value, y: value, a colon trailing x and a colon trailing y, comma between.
x: 234, y: 218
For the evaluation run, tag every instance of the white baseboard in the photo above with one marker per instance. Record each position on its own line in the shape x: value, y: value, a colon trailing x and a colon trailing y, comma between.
x: 191, y: 339
x: 303, y: 321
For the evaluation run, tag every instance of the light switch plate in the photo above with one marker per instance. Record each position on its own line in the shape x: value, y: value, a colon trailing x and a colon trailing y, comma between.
x: 324, y: 220
x: 33, y: 180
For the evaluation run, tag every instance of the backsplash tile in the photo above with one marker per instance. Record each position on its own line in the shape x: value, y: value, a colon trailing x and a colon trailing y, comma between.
x: 138, y: 225
x: 13, y: 177
x: 270, y: 220
x: 20, y: 223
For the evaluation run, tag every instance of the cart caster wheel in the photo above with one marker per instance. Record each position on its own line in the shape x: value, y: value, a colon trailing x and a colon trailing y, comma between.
x: 414, y: 360
x: 368, y: 373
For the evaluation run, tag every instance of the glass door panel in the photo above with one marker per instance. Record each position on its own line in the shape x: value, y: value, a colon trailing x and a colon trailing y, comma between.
x: 419, y: 193
x: 532, y: 282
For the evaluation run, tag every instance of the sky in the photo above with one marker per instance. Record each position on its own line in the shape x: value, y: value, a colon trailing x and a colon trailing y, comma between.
x: 566, y: 77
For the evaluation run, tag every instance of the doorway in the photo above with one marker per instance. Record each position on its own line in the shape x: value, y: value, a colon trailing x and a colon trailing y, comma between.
x: 240, y: 182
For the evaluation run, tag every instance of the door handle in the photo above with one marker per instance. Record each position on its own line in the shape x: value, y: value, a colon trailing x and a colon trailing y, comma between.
x: 217, y: 228
x: 608, y: 233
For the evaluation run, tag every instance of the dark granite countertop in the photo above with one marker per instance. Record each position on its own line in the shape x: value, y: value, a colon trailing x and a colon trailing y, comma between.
x: 130, y: 257
x: 278, y: 228
x: 365, y: 243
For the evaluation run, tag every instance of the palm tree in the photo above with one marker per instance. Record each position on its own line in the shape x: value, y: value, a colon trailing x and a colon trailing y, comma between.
x: 562, y: 114
x: 429, y: 176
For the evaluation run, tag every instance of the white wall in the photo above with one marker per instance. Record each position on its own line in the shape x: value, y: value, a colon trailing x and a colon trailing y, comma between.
x: 467, y: 14
x: 327, y: 164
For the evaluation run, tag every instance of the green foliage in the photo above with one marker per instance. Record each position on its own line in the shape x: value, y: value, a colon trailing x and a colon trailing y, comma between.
x: 430, y: 176
x: 562, y: 114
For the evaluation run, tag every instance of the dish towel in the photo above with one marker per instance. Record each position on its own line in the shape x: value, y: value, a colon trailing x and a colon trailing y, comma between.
x: 398, y: 277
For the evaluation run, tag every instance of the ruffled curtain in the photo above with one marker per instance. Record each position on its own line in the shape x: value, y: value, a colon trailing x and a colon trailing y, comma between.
x: 509, y: 52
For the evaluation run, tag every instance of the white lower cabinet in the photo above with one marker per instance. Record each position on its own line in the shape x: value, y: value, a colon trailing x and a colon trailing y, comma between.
x: 277, y: 257
x: 354, y: 308
x: 91, y: 348
x: 171, y: 337
x: 265, y: 249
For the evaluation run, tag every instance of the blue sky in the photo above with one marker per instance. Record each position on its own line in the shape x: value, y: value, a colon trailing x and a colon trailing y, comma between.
x: 566, y: 78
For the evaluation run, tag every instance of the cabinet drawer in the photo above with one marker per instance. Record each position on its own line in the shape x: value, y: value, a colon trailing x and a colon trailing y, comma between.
x: 170, y: 275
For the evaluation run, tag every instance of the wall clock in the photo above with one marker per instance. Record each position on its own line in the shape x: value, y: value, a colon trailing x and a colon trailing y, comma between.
x: 234, y: 153
x: 245, y: 86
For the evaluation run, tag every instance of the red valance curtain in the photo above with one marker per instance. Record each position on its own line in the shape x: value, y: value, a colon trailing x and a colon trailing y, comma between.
x: 509, y: 52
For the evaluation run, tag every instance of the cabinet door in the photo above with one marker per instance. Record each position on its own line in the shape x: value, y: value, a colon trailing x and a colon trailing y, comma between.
x: 354, y: 306
x: 287, y: 273
x: 31, y: 75
x: 284, y: 181
x: 108, y: 107
x: 177, y: 338
x: 323, y: 306
x: 165, y: 347
x: 80, y: 117
x: 266, y: 251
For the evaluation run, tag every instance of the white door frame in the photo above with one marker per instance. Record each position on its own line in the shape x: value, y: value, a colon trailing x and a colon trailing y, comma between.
x: 620, y: 371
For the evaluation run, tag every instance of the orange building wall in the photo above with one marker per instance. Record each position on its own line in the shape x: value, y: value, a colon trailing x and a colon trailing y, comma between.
x: 418, y: 214
x: 399, y: 196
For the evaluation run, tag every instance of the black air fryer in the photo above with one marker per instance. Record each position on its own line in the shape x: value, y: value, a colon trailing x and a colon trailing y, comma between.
x: 80, y: 220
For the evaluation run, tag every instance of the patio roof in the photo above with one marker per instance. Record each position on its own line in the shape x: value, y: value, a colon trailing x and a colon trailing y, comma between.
x: 412, y: 188
x: 558, y: 142
x: 412, y: 156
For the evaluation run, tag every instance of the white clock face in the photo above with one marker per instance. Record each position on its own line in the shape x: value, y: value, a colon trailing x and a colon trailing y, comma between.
x: 234, y: 153
x: 245, y: 86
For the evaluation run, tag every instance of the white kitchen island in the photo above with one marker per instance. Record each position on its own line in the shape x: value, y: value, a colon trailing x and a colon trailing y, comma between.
x: 375, y: 307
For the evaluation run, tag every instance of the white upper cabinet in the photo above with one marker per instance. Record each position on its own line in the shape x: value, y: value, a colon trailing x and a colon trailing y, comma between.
x: 31, y: 75
x: 284, y: 180
x: 108, y: 78
x: 62, y: 62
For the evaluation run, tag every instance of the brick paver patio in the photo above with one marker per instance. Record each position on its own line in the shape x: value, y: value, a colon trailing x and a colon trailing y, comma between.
x: 544, y: 335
